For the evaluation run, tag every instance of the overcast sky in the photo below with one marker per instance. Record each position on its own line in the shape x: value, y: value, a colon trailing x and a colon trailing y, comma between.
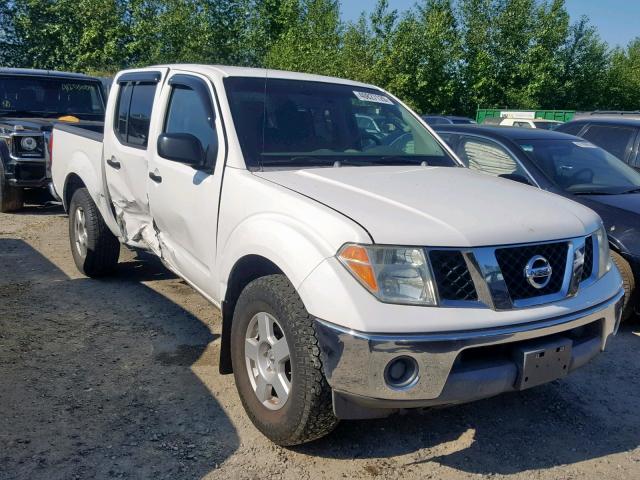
x: 618, y: 21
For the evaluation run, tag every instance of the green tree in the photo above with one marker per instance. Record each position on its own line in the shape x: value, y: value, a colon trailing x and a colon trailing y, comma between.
x: 367, y: 43
x: 585, y: 63
x: 422, y: 62
x: 624, y: 77
x: 311, y: 41
x: 80, y: 35
x: 542, y: 67
x: 476, y: 19
x: 267, y: 21
x: 178, y: 31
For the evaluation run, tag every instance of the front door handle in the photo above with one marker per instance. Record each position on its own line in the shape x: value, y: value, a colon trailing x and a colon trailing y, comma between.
x: 113, y: 163
x: 155, y: 178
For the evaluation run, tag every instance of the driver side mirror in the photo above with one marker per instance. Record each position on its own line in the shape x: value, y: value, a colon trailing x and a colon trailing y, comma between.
x: 516, y: 177
x: 181, y: 147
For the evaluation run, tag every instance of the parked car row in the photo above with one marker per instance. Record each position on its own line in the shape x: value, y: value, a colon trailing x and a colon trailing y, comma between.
x: 362, y: 264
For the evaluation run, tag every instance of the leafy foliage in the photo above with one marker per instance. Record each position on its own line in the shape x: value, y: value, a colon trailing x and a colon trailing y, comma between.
x: 440, y: 56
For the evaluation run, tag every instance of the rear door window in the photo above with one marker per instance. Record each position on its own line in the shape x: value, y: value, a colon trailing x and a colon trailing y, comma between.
x: 133, y: 115
x: 616, y: 140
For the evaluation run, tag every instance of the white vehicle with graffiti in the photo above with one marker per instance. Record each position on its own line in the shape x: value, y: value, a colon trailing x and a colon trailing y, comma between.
x: 357, y: 273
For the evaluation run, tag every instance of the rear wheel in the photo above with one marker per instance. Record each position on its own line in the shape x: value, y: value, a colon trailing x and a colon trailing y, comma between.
x: 94, y: 248
x: 11, y: 198
x: 277, y: 366
x: 628, y: 282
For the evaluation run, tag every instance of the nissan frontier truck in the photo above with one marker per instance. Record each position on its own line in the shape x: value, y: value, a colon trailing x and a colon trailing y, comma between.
x: 358, y: 272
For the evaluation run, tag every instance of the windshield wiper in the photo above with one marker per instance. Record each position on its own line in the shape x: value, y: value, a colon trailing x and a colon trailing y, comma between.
x: 341, y: 160
x: 592, y: 192
x: 633, y: 190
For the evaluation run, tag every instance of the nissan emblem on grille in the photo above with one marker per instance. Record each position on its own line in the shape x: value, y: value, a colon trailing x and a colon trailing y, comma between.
x: 538, y: 271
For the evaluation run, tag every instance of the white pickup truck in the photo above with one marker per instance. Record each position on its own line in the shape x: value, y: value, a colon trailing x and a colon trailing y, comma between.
x: 358, y: 272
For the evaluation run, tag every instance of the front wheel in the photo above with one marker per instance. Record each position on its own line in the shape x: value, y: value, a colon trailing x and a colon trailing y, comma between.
x: 277, y: 366
x: 94, y: 248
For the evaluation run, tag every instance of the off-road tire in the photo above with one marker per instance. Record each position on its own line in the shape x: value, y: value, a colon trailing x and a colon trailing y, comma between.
x: 103, y: 247
x: 628, y: 282
x: 11, y: 198
x: 308, y: 412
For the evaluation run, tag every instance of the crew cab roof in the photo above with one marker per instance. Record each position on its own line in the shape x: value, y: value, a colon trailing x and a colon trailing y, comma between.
x: 229, y: 71
x: 32, y: 72
x: 512, y: 133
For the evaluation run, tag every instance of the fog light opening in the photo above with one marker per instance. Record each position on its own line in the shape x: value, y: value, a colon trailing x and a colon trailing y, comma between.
x: 401, y: 373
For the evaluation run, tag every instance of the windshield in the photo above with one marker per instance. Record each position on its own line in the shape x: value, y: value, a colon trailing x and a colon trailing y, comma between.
x: 302, y: 123
x: 24, y: 96
x: 546, y: 125
x: 579, y: 167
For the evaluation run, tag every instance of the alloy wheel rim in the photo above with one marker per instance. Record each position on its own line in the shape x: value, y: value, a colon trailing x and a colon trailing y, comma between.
x: 267, y: 359
x: 80, y: 231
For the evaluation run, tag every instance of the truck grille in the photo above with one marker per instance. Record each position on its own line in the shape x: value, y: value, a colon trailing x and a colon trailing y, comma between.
x: 512, y: 262
x: 497, y: 276
x: 452, y: 276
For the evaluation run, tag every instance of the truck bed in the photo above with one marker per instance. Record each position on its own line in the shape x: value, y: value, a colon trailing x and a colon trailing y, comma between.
x: 77, y: 154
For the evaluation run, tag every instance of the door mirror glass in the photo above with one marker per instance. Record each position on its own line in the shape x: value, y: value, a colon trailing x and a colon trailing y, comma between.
x: 181, y: 147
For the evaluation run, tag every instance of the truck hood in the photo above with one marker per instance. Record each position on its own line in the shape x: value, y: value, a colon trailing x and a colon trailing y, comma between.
x: 436, y: 206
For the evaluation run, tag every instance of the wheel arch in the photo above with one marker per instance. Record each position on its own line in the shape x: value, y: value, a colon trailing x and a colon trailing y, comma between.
x: 246, y: 269
x: 72, y: 183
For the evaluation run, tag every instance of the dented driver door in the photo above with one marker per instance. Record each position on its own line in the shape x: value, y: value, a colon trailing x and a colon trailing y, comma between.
x: 185, y: 174
x: 127, y: 151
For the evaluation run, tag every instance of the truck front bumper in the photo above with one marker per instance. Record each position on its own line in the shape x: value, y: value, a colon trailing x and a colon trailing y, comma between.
x: 457, y: 367
x: 27, y: 173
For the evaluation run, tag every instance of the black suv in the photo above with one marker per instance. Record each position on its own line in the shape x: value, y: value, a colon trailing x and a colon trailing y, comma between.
x: 31, y: 102
x: 619, y: 135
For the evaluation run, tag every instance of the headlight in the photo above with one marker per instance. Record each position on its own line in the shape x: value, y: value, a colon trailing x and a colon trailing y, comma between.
x: 393, y: 274
x: 604, y: 258
x: 29, y: 144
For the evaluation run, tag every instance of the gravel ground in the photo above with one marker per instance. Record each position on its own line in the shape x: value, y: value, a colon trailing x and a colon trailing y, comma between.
x: 118, y: 378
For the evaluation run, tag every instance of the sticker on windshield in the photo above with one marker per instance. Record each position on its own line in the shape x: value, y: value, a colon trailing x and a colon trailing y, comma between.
x: 372, y: 97
x: 584, y: 144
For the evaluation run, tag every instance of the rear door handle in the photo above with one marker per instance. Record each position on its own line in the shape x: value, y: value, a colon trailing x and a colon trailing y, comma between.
x: 113, y: 163
x: 155, y: 178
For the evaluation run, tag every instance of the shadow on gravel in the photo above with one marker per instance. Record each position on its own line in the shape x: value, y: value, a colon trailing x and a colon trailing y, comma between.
x: 590, y: 415
x: 96, y: 377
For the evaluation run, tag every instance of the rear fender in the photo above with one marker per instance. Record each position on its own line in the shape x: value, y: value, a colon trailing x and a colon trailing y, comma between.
x: 83, y: 168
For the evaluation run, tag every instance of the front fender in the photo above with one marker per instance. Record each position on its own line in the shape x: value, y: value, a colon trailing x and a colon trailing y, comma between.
x: 293, y: 246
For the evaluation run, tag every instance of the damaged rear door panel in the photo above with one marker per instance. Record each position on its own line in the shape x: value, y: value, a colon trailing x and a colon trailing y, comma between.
x: 127, y: 151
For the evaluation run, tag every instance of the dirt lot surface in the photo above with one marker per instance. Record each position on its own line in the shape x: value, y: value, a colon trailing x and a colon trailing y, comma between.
x: 118, y: 378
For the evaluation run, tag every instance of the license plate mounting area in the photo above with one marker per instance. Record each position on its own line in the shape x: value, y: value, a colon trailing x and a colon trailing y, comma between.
x: 540, y: 362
